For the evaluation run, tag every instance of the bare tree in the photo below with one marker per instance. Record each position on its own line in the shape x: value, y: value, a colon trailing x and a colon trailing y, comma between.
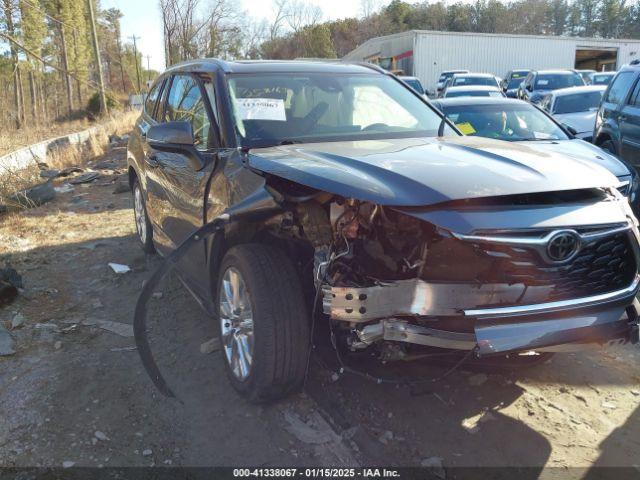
x: 302, y: 14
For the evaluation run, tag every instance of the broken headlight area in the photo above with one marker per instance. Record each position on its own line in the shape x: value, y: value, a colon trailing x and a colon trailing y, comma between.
x: 387, y: 277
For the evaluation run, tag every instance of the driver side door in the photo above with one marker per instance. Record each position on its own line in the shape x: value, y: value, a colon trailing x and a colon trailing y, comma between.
x: 180, y: 209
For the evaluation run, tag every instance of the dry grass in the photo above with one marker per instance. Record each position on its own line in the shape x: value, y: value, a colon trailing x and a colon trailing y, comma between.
x: 11, y: 140
x: 69, y: 155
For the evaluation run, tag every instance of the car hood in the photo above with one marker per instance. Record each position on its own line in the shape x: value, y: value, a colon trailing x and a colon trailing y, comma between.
x: 581, y: 121
x: 426, y: 171
x: 580, y: 150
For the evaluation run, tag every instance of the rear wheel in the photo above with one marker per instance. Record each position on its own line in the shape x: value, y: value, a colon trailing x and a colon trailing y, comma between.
x: 143, y: 225
x: 263, y: 321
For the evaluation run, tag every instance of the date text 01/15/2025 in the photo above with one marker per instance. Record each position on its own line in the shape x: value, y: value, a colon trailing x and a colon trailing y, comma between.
x: 316, y: 472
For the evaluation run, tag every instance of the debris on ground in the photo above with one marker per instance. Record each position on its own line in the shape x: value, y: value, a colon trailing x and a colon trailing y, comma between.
x: 33, y: 196
x: 147, y: 452
x: 385, y: 437
x: 434, y: 464
x: 101, y: 436
x: 477, y: 379
x: 68, y: 464
x: 64, y: 188
x: 122, y: 185
x: 69, y: 170
x: 6, y: 342
x: 303, y: 432
x: 85, y: 178
x: 119, y: 328
x: 10, y: 282
x: 119, y: 268
x: 49, y: 173
x: 57, y: 345
x: 211, y: 346
x: 17, y: 321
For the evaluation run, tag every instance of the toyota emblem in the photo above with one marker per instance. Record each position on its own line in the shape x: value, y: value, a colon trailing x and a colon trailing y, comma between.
x: 563, y: 246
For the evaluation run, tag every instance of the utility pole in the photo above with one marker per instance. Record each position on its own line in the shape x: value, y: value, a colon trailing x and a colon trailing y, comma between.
x: 96, y: 52
x: 135, y: 55
x: 148, y: 69
x: 124, y: 87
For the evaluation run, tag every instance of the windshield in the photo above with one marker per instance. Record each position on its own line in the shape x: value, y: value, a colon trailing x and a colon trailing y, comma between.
x: 415, y: 84
x: 577, y: 102
x: 514, y: 83
x: 274, y: 109
x: 601, y: 79
x: 474, y: 93
x: 511, y: 122
x: 460, y: 81
x: 557, y: 81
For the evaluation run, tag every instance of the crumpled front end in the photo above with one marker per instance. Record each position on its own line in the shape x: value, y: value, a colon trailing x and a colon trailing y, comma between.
x: 508, y: 274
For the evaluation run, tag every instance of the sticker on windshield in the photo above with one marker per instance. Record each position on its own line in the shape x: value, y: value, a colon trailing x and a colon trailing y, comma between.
x: 261, y: 109
x: 543, y: 82
x: 466, y: 128
x: 542, y: 135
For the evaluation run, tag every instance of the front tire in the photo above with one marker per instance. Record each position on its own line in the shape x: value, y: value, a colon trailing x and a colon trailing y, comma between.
x: 143, y: 225
x: 263, y: 319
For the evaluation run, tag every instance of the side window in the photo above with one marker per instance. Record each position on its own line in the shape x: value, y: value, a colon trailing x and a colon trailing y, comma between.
x: 185, y: 103
x: 152, y: 98
x: 636, y: 95
x: 620, y: 88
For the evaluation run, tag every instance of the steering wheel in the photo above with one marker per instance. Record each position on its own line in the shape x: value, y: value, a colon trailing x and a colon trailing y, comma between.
x: 375, y: 126
x: 311, y: 119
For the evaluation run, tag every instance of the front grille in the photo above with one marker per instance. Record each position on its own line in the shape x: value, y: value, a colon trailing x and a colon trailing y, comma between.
x: 603, y: 265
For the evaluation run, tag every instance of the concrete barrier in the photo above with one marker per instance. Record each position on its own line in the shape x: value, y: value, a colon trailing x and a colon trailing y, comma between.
x: 39, y: 152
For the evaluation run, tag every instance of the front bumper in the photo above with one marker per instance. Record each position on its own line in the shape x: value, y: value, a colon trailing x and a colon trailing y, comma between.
x: 547, y: 327
x: 494, y: 318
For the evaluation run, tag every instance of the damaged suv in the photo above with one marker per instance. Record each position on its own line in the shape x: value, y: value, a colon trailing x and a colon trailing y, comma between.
x: 341, y: 197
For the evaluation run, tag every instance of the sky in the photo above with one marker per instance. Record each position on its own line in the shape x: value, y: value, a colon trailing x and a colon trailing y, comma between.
x: 142, y: 19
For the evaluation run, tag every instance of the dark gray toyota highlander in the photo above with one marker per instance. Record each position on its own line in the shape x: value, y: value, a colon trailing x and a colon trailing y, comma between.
x: 296, y: 197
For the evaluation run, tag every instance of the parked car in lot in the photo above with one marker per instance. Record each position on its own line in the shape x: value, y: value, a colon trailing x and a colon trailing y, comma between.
x: 540, y: 82
x: 473, y: 91
x: 617, y: 127
x: 322, y: 197
x: 575, y: 108
x: 586, y: 75
x: 413, y: 82
x: 469, y: 80
x: 601, y: 78
x: 512, y: 81
x: 518, y: 121
x: 444, y: 76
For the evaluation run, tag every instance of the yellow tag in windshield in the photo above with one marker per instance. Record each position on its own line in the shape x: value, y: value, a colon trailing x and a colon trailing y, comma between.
x: 466, y: 128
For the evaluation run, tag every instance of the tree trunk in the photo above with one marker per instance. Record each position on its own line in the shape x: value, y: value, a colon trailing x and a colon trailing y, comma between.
x: 8, y: 14
x: 65, y: 65
x: 23, y: 114
x: 34, y: 99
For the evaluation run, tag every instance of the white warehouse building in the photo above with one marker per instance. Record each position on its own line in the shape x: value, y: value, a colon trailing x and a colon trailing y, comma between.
x: 424, y: 53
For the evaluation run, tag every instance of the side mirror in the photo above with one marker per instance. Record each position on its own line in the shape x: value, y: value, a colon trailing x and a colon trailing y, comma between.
x: 175, y: 137
x: 570, y: 129
x: 170, y: 135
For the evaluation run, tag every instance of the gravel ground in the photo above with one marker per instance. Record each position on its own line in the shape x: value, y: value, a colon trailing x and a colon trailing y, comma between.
x: 74, y: 391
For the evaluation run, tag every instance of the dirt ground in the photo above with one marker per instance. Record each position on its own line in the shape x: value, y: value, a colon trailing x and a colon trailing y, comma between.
x: 75, y: 392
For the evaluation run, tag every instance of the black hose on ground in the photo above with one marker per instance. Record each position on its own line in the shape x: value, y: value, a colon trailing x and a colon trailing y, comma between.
x: 140, y: 315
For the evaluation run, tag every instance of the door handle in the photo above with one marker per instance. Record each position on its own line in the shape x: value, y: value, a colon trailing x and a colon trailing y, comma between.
x: 152, y: 160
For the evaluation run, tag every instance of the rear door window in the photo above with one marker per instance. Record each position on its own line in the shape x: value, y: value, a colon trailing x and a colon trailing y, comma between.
x: 152, y: 99
x: 620, y: 87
